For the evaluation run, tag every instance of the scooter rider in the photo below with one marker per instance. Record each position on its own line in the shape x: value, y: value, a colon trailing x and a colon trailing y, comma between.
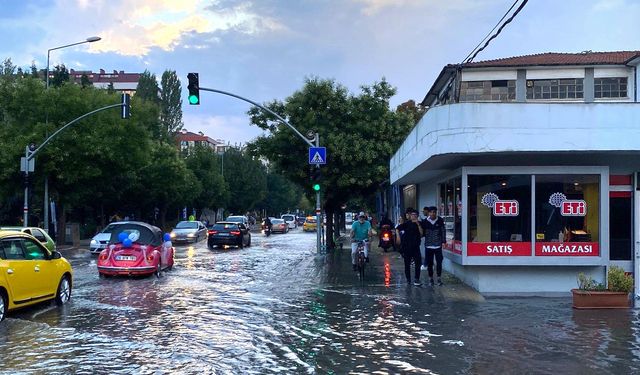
x: 360, y: 231
x: 384, y: 221
x: 266, y: 224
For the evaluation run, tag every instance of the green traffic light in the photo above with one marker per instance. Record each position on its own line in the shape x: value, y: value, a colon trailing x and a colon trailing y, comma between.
x: 316, y: 187
x: 193, y: 99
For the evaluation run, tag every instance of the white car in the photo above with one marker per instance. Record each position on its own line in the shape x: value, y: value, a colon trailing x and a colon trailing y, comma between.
x: 100, y: 241
x: 290, y: 220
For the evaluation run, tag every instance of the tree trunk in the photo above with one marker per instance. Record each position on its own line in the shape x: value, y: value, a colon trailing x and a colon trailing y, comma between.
x: 163, y: 217
x: 329, y: 232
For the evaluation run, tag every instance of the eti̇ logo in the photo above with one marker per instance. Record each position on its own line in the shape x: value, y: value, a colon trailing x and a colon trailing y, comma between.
x: 500, y: 207
x: 568, y: 207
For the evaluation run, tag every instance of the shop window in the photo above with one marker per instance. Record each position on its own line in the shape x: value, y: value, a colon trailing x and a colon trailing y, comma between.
x: 610, y: 87
x: 555, y: 89
x: 499, y: 215
x: 450, y: 209
x: 567, y: 215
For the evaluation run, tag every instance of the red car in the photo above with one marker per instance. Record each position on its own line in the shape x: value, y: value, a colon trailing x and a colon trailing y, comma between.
x: 136, y: 248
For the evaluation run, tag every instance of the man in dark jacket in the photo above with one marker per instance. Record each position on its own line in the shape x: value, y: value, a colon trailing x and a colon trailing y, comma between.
x: 412, y: 232
x: 434, y: 236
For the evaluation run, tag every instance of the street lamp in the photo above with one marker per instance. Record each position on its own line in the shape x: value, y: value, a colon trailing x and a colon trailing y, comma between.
x: 46, y: 179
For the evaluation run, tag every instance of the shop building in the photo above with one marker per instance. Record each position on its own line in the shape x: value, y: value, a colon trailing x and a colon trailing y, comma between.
x: 533, y: 162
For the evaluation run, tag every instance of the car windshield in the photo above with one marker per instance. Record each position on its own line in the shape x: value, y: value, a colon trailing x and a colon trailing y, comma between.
x: 224, y: 226
x: 277, y: 221
x: 311, y: 221
x: 110, y: 228
x: 288, y: 217
x: 144, y: 234
x: 187, y: 225
x: 235, y: 219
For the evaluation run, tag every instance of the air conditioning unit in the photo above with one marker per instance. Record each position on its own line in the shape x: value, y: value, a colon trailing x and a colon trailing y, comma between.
x: 529, y: 83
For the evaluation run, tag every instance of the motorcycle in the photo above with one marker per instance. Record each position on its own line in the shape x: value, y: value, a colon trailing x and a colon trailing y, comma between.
x: 386, y: 238
x: 266, y: 229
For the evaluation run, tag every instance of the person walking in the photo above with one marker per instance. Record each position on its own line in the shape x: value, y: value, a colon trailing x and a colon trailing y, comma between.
x: 410, y: 243
x: 434, y: 236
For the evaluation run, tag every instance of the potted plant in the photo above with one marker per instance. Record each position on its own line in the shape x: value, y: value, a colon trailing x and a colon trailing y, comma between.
x: 593, y: 295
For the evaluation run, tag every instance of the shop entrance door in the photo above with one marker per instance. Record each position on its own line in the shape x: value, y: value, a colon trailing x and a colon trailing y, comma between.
x: 621, y: 229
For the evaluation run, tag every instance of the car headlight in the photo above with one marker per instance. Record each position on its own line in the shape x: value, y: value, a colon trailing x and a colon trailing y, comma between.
x: 190, y: 234
x: 94, y: 243
x: 172, y: 235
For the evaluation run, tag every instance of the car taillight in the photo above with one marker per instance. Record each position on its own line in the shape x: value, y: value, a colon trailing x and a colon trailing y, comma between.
x: 235, y: 232
x: 150, y: 257
x: 386, y: 235
x: 213, y: 232
x: 103, y: 256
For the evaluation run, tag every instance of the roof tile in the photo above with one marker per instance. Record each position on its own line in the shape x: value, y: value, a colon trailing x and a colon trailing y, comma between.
x: 554, y: 58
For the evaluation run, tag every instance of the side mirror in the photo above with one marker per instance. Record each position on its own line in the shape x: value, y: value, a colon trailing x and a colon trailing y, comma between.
x: 56, y: 255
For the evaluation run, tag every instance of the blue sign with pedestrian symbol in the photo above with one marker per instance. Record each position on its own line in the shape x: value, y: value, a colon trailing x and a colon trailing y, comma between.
x: 317, y: 155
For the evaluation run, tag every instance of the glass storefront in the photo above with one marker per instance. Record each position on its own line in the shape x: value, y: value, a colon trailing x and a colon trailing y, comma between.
x: 567, y: 215
x: 499, y: 214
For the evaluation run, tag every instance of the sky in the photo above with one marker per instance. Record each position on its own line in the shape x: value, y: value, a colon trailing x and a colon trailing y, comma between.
x: 265, y: 49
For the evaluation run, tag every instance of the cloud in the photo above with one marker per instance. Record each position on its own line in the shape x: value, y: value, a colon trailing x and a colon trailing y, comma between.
x: 136, y: 27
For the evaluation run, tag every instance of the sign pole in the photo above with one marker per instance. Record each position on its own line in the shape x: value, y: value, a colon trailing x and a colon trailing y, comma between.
x: 25, y: 209
x: 318, y: 209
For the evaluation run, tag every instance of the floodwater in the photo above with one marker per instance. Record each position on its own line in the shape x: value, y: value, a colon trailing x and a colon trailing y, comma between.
x: 276, y: 308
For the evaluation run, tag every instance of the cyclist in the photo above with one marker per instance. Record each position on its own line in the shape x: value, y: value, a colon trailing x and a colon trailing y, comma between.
x: 360, y: 231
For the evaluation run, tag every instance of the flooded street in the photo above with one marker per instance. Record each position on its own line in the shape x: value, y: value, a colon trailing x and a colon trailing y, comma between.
x: 276, y: 308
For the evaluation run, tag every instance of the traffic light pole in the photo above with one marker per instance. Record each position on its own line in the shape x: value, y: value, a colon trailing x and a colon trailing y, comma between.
x: 317, y: 144
x: 30, y: 154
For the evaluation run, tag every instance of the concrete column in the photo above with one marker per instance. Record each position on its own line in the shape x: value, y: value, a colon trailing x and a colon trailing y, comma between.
x: 521, y: 86
x: 589, y: 88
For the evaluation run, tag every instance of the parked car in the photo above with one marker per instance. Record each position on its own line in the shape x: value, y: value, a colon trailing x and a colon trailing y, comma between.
x: 30, y: 273
x: 189, y: 231
x: 310, y: 224
x: 279, y: 226
x: 100, y: 241
x: 228, y: 233
x: 136, y: 248
x: 39, y: 234
x: 290, y: 219
x: 238, y: 219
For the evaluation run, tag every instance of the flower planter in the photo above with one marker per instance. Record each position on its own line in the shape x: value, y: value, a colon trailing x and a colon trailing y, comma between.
x: 591, y: 299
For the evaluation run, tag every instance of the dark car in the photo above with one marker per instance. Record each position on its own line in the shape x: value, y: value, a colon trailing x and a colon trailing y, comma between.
x: 300, y: 220
x: 228, y: 233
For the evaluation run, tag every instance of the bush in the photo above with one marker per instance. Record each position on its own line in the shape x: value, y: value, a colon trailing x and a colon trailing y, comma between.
x: 619, y: 281
x: 588, y: 283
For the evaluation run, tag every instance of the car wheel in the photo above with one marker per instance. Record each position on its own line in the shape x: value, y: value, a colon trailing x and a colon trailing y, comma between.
x: 4, y: 305
x: 159, y: 270
x: 241, y: 244
x: 64, y: 291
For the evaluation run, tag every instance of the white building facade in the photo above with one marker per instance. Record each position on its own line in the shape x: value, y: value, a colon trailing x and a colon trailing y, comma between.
x: 533, y: 162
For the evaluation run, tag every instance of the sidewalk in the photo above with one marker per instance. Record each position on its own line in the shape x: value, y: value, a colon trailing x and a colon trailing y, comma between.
x: 387, y: 269
x: 84, y: 244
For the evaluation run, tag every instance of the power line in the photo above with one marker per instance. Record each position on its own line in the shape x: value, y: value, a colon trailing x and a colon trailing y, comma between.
x: 489, y: 33
x: 498, y: 32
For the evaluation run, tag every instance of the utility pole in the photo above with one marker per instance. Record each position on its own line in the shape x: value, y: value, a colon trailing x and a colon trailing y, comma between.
x: 318, y: 210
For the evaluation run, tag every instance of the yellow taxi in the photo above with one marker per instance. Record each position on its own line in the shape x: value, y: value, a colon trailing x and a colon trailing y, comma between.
x: 310, y: 224
x: 29, y: 273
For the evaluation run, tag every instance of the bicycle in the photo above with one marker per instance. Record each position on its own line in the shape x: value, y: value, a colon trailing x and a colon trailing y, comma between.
x: 361, y: 260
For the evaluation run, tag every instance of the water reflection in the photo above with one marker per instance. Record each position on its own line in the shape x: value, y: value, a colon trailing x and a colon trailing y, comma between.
x: 282, y: 310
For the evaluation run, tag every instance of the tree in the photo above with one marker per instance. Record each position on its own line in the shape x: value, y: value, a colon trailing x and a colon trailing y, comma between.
x: 206, y: 167
x: 247, y: 180
x: 410, y: 107
x: 8, y: 68
x: 148, y: 88
x: 111, y: 89
x: 60, y: 76
x: 34, y: 70
x: 171, y: 102
x: 282, y: 195
x: 360, y: 133
x: 85, y: 82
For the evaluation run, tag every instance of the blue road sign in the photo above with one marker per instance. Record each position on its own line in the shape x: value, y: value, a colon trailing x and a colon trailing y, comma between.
x: 317, y: 155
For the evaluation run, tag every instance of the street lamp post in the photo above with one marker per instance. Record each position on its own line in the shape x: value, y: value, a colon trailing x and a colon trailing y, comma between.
x: 46, y: 179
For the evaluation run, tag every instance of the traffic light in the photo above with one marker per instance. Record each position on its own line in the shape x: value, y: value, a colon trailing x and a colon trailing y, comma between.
x: 194, y: 89
x: 316, y: 176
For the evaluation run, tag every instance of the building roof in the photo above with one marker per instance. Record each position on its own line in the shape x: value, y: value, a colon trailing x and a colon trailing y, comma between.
x: 555, y: 58
x: 194, y: 137
x: 541, y: 59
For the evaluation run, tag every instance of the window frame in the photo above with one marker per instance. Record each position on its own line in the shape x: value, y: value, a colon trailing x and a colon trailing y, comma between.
x: 598, y: 87
x: 556, y: 87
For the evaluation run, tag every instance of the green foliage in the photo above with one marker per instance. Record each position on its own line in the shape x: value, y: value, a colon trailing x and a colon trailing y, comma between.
x: 360, y: 133
x: 148, y: 88
x: 170, y: 102
x: 282, y: 195
x: 619, y: 281
x: 207, y: 169
x: 84, y: 81
x: 247, y: 180
x: 60, y: 76
x: 588, y: 283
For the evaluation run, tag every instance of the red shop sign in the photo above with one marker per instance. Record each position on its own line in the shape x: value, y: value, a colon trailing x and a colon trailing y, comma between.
x: 570, y: 249
x: 506, y: 208
x: 573, y: 208
x: 499, y: 249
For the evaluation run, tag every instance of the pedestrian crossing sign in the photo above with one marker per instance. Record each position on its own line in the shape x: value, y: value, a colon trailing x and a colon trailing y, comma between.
x: 317, y: 155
